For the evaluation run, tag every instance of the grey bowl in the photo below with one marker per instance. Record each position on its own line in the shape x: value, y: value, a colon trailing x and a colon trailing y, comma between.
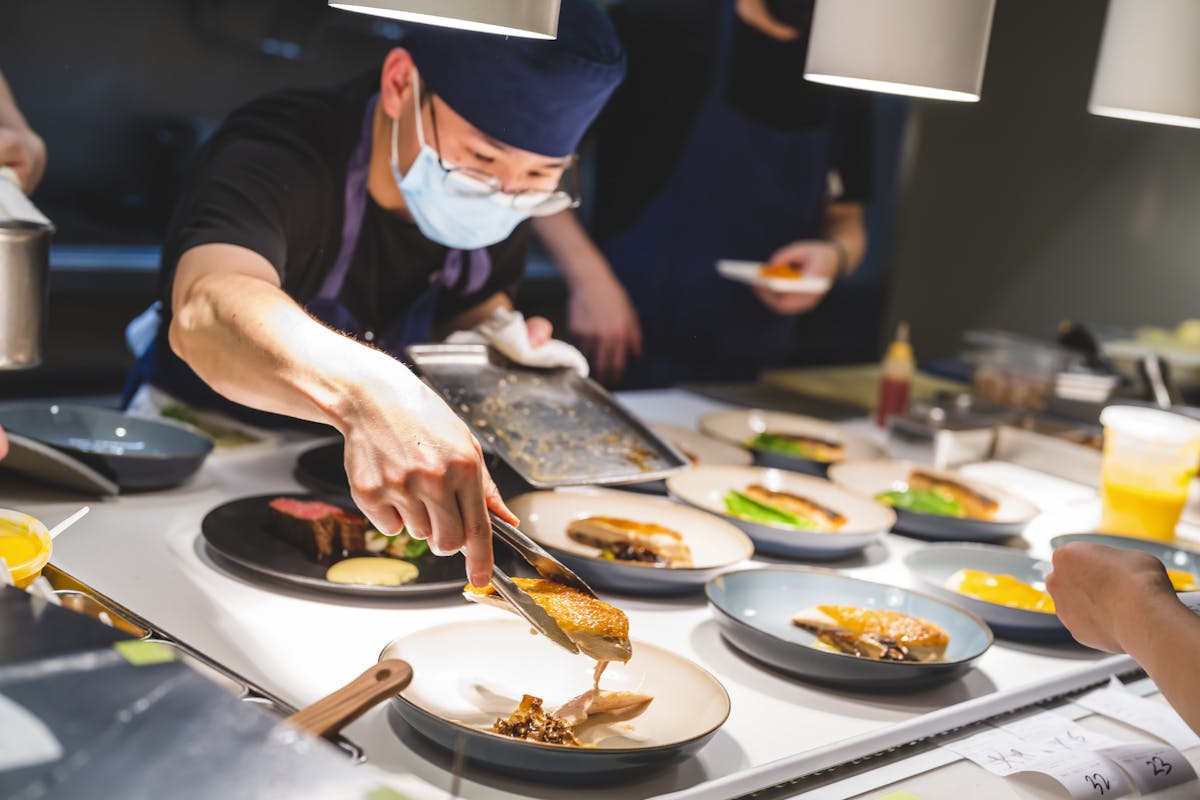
x: 934, y: 564
x: 133, y: 452
x: 754, y: 609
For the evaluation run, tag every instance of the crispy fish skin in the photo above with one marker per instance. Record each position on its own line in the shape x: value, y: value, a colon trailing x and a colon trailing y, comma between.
x: 606, y: 532
x: 921, y: 639
x: 598, y: 629
x: 800, y: 506
x: 976, y: 505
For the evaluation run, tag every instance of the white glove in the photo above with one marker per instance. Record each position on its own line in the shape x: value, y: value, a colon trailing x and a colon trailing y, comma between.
x: 505, y: 330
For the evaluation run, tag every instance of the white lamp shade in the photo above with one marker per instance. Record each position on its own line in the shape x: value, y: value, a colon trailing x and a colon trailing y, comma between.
x: 1149, y: 64
x: 924, y: 48
x: 535, y: 19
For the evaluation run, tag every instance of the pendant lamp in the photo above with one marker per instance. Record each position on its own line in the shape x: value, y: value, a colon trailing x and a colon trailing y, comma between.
x: 534, y: 19
x: 1149, y: 63
x: 924, y: 48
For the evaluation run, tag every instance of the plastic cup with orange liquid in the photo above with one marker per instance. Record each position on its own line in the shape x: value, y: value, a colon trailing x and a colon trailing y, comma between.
x: 24, y: 546
x: 1150, y: 457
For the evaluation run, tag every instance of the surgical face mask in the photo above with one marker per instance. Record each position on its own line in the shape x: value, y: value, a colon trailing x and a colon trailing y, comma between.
x: 467, y: 219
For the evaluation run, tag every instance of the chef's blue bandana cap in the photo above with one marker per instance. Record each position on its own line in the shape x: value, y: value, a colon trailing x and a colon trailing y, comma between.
x: 538, y: 95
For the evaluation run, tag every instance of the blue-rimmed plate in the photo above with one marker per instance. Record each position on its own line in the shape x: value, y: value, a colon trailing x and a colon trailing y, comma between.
x: 935, y: 564
x: 866, y: 520
x: 468, y: 674
x: 872, y: 478
x: 755, y: 607
x: 1174, y: 558
x: 741, y: 426
x: 716, y: 545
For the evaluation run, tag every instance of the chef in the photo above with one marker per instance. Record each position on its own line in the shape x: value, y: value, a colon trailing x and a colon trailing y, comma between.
x: 322, y: 231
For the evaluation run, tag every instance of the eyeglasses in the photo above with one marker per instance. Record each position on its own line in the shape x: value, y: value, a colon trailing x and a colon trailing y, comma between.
x: 471, y: 182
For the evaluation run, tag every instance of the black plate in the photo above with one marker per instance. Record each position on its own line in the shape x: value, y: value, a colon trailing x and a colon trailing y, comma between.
x: 132, y: 452
x: 239, y: 531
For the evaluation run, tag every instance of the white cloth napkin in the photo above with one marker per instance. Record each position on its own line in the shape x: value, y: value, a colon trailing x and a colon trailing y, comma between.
x: 505, y: 330
x: 13, y: 202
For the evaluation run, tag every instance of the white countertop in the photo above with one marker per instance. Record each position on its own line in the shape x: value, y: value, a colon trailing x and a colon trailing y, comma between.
x: 145, y: 551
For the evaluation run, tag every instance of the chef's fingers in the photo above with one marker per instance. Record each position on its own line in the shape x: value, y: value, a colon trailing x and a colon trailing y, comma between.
x: 635, y: 337
x: 613, y: 360
x: 477, y: 540
x: 540, y: 330
x: 416, y: 518
x: 495, y: 502
x: 447, y: 532
x: 383, y: 516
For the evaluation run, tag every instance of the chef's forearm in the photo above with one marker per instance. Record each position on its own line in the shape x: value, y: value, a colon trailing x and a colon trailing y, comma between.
x: 254, y: 345
x: 570, y: 246
x: 1163, y: 636
x: 844, y: 224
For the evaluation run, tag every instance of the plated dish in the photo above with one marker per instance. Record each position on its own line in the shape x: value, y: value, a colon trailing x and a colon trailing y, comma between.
x: 789, y: 441
x: 1183, y: 565
x: 631, y: 543
x: 306, y: 542
x: 776, y: 277
x: 932, y: 504
x: 785, y: 513
x: 459, y: 699
x: 133, y: 453
x: 832, y: 629
x: 1005, y: 587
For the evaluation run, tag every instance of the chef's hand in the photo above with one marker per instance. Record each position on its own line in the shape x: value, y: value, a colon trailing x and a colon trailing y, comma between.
x: 412, y: 462
x: 3, y: 445
x: 815, y: 257
x: 603, y: 322
x: 1103, y: 595
x: 540, y: 330
x: 25, y: 152
x: 756, y: 14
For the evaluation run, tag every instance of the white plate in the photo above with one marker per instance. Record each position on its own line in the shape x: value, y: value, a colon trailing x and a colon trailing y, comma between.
x: 716, y: 545
x: 934, y: 565
x: 706, y: 450
x: 467, y: 674
x: 870, y: 478
x: 747, y: 272
x: 739, y: 426
x: 866, y: 520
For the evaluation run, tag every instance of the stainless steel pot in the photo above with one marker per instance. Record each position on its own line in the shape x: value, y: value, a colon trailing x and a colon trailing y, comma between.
x: 24, y: 285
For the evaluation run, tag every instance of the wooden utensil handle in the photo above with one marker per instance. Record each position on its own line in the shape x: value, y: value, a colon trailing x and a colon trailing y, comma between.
x: 335, y: 711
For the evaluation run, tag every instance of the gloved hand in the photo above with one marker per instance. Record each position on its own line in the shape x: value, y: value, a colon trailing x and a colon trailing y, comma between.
x: 505, y: 330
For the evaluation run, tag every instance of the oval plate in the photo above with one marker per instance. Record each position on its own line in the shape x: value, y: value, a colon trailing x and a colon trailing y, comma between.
x: 740, y: 426
x: 240, y: 532
x: 700, y: 449
x: 934, y: 564
x: 754, y: 609
x: 866, y: 520
x: 1179, y: 558
x: 456, y: 695
x: 135, y: 453
x: 747, y: 272
x: 870, y: 478
x: 716, y: 545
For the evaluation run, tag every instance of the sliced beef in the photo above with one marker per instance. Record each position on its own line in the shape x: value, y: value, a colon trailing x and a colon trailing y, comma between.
x: 322, y: 530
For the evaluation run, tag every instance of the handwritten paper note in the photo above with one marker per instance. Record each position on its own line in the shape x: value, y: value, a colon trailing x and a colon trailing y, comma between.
x: 1152, y: 766
x: 1157, y: 719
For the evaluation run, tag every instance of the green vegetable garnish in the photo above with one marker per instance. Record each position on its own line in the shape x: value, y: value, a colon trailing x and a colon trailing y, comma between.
x: 415, y: 548
x: 923, y: 501
x: 746, y: 507
x: 781, y: 444
x: 220, y: 434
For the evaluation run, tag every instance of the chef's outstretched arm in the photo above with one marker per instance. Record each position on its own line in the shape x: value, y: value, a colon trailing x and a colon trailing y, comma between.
x: 1122, y: 601
x: 409, y: 459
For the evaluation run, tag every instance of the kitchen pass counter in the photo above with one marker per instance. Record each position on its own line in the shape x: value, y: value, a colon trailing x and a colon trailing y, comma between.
x: 145, y: 551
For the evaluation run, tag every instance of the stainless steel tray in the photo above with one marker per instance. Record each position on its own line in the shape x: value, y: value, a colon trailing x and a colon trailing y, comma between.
x: 553, y: 427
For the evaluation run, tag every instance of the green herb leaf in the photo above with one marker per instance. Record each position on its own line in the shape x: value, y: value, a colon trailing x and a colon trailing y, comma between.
x: 781, y: 444
x: 746, y: 507
x: 923, y: 501
x: 415, y: 548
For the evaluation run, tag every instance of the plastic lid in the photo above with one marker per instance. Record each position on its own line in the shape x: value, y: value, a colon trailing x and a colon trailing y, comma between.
x: 1151, y: 424
x: 20, y: 524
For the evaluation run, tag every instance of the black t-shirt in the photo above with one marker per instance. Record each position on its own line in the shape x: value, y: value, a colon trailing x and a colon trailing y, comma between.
x: 672, y: 47
x: 272, y: 179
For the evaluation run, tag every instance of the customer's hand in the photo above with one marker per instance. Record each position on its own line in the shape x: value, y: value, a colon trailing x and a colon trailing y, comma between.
x: 603, y: 321
x: 814, y: 257
x: 412, y: 462
x: 1102, y: 594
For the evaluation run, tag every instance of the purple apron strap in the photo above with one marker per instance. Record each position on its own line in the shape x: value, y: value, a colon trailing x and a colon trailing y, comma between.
x: 478, y: 267
x: 355, y: 207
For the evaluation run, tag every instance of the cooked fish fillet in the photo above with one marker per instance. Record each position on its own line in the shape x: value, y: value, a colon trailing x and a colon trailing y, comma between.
x: 976, y: 505
x: 922, y: 640
x: 613, y: 706
x: 598, y: 629
x: 800, y: 506
x: 632, y: 540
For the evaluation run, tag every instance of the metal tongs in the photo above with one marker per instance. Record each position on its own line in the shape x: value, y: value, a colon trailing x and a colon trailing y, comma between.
x: 545, y: 565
